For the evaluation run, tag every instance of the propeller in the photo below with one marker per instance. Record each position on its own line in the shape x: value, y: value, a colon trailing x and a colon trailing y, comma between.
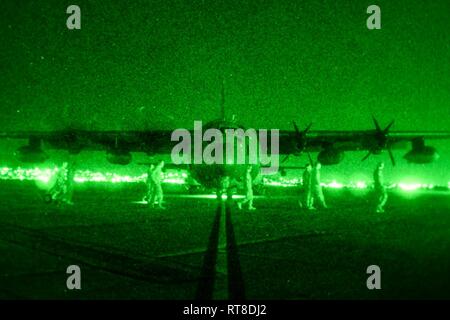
x: 381, y: 139
x: 300, y: 140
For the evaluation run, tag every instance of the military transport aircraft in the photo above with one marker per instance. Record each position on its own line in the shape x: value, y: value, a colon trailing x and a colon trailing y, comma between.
x: 330, y: 145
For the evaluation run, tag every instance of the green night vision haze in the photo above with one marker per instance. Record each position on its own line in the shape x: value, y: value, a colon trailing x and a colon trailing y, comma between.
x: 138, y: 65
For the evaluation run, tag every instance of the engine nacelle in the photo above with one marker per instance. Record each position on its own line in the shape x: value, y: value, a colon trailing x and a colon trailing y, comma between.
x: 121, y: 157
x: 31, y: 154
x: 423, y: 155
x: 330, y: 156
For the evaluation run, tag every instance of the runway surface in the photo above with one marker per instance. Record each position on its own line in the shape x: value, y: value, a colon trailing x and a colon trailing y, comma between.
x: 202, y: 249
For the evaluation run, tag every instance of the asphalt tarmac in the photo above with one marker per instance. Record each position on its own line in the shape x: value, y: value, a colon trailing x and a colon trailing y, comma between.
x: 200, y: 248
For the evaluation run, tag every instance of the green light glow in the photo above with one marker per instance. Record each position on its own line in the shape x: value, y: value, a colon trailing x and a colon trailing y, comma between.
x: 82, y: 176
x: 46, y: 176
x: 212, y: 196
x: 333, y: 185
x: 413, y: 186
x: 281, y: 182
x: 361, y: 185
x: 199, y: 196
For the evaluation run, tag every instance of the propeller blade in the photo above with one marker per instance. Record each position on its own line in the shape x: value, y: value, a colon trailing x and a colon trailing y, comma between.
x: 366, y: 156
x: 307, y: 128
x: 300, y: 138
x: 297, y: 130
x: 386, y: 130
x: 391, y: 155
x: 377, y: 125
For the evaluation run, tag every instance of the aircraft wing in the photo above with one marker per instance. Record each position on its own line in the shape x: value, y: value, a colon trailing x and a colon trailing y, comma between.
x: 315, y: 141
x: 159, y: 141
x: 148, y: 141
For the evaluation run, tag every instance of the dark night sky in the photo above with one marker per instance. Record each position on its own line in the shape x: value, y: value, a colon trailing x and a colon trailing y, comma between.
x: 159, y: 64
